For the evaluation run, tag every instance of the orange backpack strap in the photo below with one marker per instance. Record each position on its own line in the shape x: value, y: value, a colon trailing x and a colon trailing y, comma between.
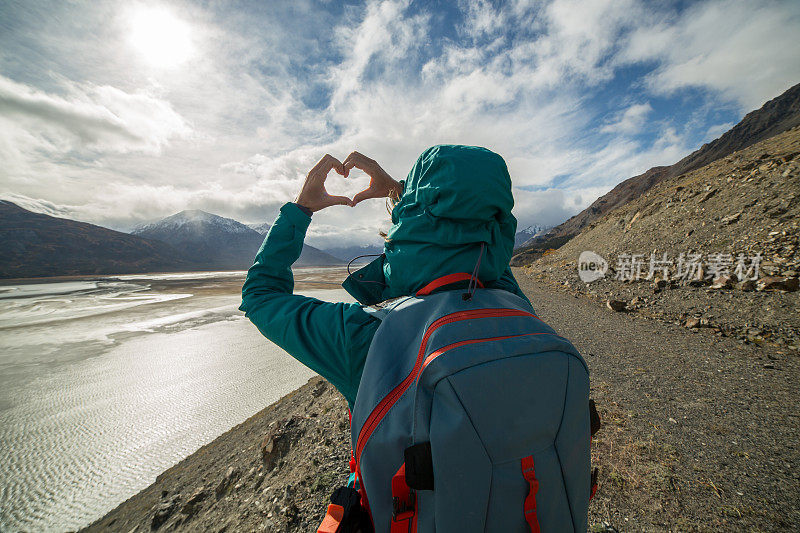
x: 529, y: 473
x: 594, y: 421
x: 332, y: 520
x: 445, y: 280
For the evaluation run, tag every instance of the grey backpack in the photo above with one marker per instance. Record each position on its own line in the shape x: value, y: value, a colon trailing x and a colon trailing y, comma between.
x: 472, y: 415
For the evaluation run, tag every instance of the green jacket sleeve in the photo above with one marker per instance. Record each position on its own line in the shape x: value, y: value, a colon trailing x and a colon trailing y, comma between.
x: 330, y: 338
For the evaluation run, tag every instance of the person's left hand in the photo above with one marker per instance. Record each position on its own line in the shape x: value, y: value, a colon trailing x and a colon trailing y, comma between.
x: 313, y: 194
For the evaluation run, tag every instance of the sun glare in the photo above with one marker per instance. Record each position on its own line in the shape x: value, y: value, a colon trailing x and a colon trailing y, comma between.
x: 162, y: 39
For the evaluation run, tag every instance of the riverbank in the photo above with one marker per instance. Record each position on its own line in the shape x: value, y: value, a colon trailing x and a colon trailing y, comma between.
x: 700, y: 433
x: 273, y: 472
x: 107, y: 381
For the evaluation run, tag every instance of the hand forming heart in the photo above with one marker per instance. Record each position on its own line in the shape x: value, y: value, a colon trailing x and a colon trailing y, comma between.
x: 314, y: 196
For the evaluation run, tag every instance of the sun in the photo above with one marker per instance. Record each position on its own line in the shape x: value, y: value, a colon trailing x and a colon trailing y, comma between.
x: 161, y: 39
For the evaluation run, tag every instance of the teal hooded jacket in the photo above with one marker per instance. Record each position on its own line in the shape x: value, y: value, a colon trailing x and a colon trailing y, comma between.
x: 454, y: 198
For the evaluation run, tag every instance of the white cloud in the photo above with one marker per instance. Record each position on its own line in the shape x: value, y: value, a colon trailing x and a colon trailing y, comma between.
x: 38, y: 205
x: 630, y: 121
x: 91, y: 117
x: 716, y: 130
x: 744, y: 50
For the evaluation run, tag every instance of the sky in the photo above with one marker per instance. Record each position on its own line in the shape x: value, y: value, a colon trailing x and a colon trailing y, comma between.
x: 121, y: 113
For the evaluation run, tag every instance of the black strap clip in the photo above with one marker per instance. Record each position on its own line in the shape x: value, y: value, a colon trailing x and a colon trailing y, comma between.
x: 419, y: 466
x: 400, y: 508
x: 594, y: 417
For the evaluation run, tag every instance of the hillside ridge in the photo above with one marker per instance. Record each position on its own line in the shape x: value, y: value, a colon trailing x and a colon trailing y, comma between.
x: 774, y: 117
x: 36, y: 244
x: 743, y: 209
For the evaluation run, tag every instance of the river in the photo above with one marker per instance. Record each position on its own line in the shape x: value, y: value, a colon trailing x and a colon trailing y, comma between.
x: 105, y: 382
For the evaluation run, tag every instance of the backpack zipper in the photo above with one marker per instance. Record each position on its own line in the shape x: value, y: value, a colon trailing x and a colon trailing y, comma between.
x: 441, y: 351
x: 383, y: 407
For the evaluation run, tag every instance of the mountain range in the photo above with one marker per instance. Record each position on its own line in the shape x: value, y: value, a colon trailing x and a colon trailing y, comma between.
x: 37, y: 245
x: 774, y: 117
x: 215, y: 242
x: 524, y: 235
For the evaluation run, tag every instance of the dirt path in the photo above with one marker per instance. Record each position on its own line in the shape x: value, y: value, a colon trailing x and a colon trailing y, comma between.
x: 700, y: 431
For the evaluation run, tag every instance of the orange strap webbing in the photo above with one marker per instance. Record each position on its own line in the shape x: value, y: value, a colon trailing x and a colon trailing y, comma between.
x: 330, y: 524
x: 529, y: 474
x: 445, y: 280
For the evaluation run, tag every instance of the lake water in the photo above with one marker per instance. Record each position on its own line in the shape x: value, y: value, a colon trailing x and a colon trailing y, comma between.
x: 106, y: 382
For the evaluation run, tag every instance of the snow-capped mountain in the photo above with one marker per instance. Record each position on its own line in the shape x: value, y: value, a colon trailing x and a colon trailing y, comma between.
x: 193, y: 220
x: 528, y: 233
x: 262, y: 228
x: 218, y: 242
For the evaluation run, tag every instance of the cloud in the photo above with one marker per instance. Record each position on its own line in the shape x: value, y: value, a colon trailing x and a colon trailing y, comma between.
x: 716, y: 130
x: 91, y: 117
x: 740, y: 49
x: 630, y: 121
x: 38, y: 205
x: 541, y: 208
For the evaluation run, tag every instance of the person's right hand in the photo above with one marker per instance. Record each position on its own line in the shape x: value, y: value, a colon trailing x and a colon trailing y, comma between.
x: 381, y: 184
x: 313, y: 194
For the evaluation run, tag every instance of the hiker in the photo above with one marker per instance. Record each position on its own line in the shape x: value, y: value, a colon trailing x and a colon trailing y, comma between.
x: 333, y: 338
x: 450, y: 216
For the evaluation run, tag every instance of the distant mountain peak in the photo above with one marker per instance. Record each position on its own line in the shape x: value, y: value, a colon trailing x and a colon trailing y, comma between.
x: 193, y: 218
x: 195, y: 213
x: 262, y: 228
x: 219, y: 242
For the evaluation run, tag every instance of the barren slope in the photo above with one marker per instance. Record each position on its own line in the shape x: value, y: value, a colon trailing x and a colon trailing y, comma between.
x: 774, y: 117
x: 745, y: 203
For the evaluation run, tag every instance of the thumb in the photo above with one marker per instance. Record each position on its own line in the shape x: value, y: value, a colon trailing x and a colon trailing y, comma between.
x: 366, y: 194
x: 341, y: 200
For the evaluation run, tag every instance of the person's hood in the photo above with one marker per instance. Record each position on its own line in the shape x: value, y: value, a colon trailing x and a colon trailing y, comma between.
x: 454, y: 198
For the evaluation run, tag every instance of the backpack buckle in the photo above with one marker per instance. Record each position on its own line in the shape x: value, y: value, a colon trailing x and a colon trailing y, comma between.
x: 403, y: 510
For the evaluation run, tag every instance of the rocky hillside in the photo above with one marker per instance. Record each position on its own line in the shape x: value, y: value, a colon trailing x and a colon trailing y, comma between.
x: 274, y: 472
x: 774, y: 117
x: 35, y: 244
x: 747, y: 203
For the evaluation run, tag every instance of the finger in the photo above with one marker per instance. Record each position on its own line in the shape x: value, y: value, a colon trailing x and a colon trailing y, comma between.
x: 351, y: 156
x: 349, y: 161
x: 366, y: 194
x: 340, y: 200
x: 331, y: 163
x: 320, y: 165
x: 356, y: 160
